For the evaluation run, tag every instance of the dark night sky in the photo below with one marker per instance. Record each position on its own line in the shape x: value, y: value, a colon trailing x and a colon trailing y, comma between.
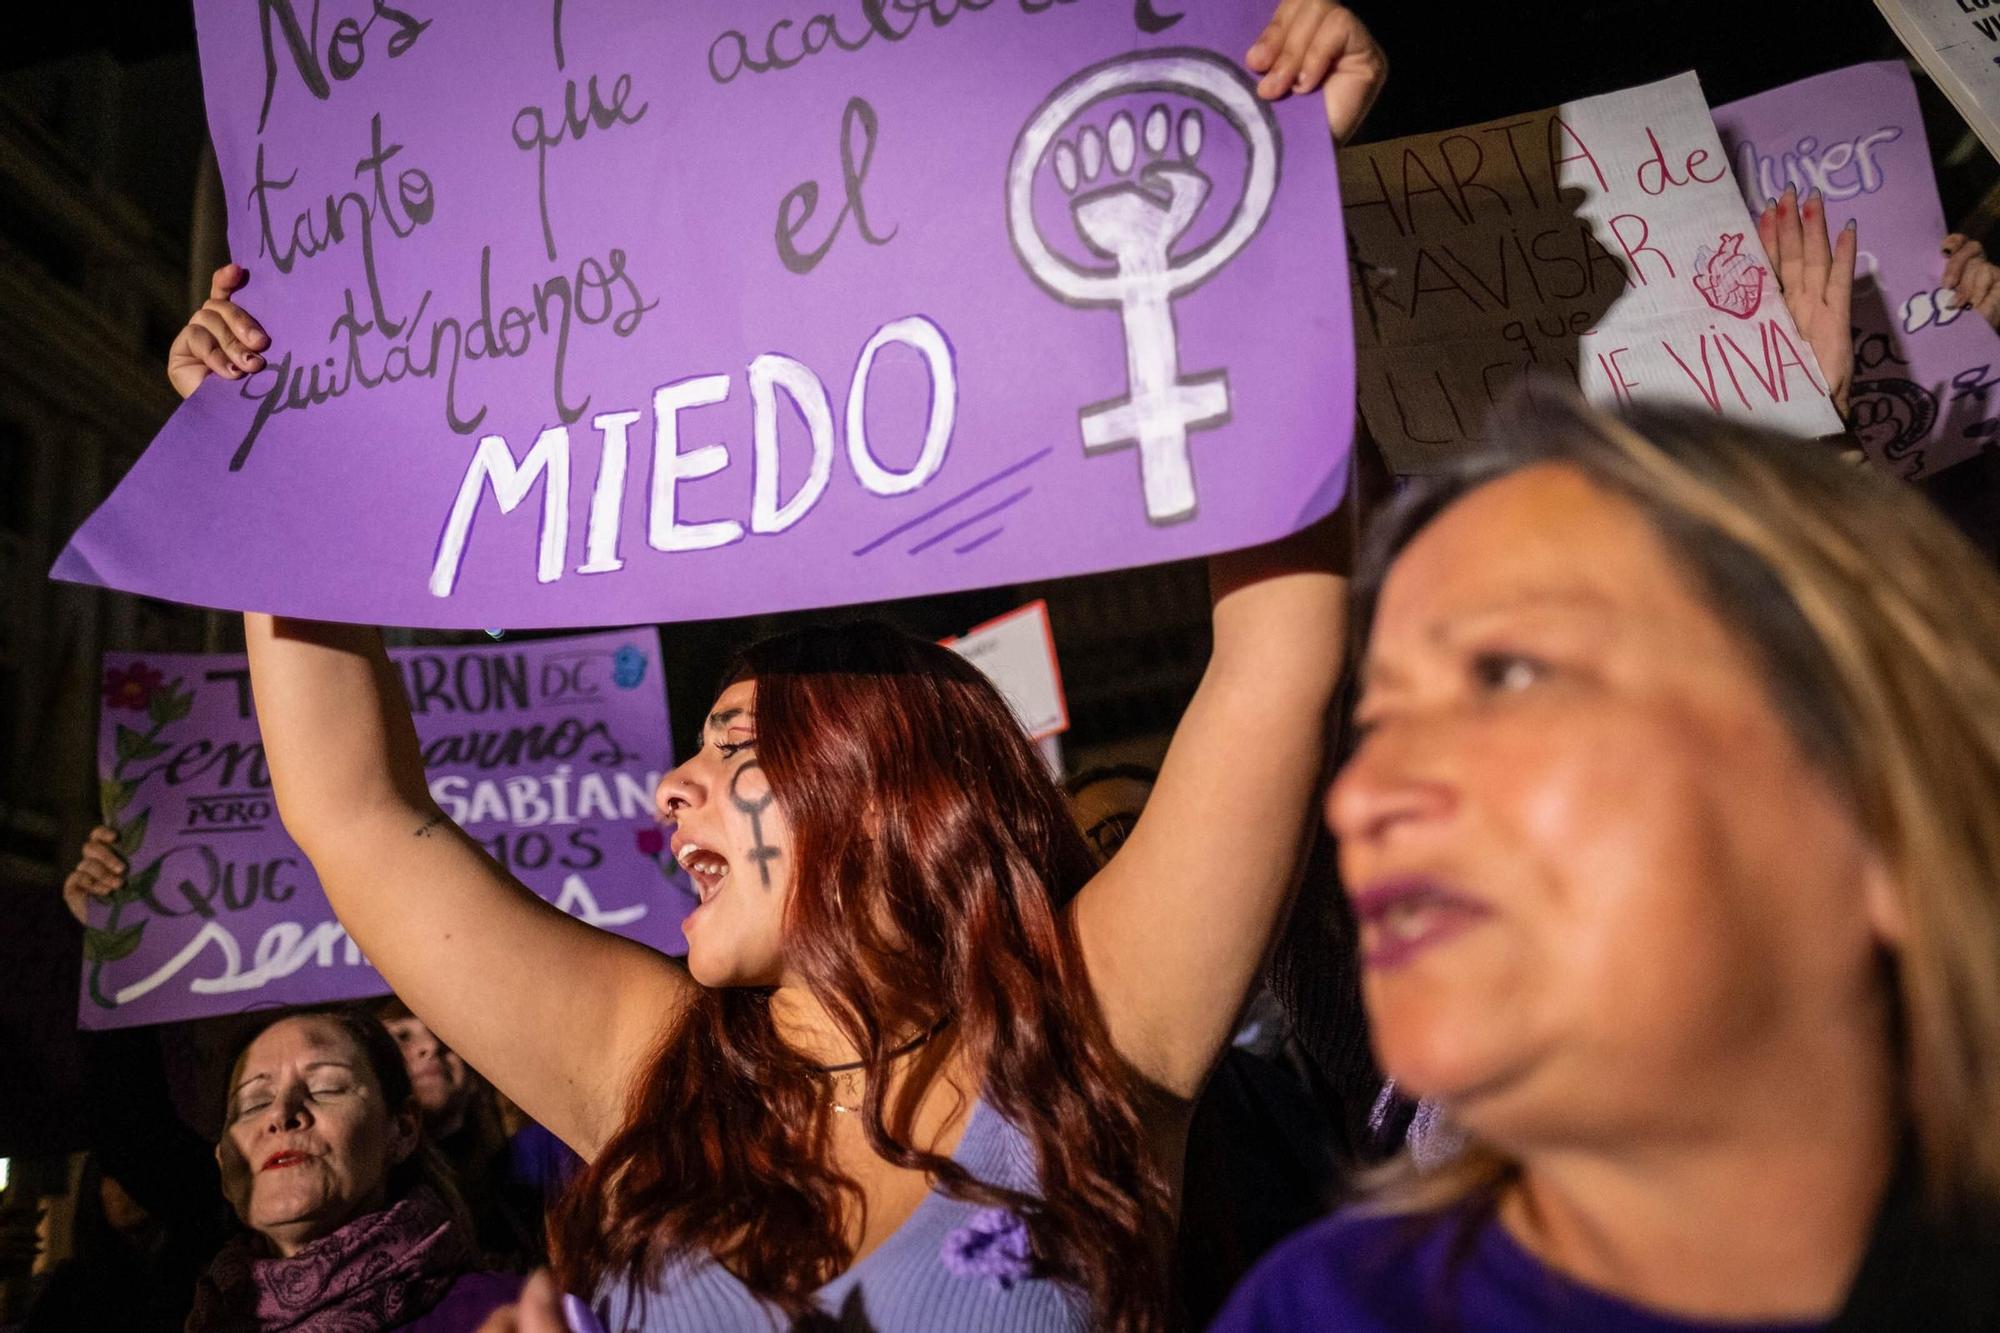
x: 1487, y: 59
x: 1456, y: 63
x: 1453, y: 61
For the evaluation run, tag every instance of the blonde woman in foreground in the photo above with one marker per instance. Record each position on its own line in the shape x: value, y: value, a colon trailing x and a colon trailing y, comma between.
x: 1673, y: 831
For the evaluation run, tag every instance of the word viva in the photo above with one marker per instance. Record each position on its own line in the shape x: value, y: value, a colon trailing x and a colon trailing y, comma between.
x: 495, y: 469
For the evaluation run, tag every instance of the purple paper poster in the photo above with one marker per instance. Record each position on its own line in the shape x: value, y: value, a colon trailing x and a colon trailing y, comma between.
x: 546, y: 751
x: 1923, y: 365
x: 587, y: 314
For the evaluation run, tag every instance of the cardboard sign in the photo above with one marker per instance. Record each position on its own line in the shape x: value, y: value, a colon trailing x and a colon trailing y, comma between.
x: 1958, y: 44
x: 1017, y: 652
x: 634, y: 311
x: 1923, y: 364
x: 546, y: 752
x: 1601, y: 241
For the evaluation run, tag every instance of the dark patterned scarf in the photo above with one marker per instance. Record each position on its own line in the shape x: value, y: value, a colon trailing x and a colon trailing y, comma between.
x: 382, y: 1269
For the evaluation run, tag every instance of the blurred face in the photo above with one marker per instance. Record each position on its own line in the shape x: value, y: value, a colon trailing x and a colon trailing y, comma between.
x: 733, y: 841
x: 438, y: 1077
x: 1598, y: 883
x: 309, y: 1142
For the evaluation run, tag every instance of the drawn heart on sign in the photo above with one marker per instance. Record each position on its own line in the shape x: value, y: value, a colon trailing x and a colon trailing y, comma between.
x: 1728, y: 279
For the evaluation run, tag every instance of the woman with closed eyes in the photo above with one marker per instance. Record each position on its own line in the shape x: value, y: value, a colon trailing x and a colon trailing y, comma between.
x: 350, y: 1217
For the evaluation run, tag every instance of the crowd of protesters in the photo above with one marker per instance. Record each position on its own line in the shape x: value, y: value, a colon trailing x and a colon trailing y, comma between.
x: 1571, y: 899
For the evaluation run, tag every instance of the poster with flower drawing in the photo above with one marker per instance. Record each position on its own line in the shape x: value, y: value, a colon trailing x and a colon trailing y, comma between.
x: 547, y: 752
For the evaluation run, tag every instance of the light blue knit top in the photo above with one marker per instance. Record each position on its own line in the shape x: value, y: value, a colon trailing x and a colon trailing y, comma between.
x: 952, y: 1265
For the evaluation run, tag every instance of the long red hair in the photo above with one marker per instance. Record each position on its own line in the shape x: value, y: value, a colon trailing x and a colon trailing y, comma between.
x: 933, y: 857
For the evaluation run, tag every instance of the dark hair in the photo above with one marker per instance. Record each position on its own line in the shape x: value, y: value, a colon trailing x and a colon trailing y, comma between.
x: 384, y: 1058
x: 946, y: 904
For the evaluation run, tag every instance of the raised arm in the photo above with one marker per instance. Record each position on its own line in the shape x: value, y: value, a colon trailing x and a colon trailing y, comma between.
x: 557, y: 1014
x: 1175, y: 927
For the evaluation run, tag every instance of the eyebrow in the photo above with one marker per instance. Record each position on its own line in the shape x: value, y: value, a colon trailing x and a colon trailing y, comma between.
x: 1440, y: 633
x: 1586, y: 600
x: 348, y: 1065
x: 722, y: 717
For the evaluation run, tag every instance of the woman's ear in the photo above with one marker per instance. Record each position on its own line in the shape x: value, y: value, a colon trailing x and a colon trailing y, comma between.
x: 1888, y: 917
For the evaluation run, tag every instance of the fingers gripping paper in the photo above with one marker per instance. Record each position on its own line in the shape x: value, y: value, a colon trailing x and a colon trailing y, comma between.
x: 1602, y: 241
x: 586, y: 314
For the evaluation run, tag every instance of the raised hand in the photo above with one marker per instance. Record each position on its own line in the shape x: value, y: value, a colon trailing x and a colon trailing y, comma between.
x: 100, y: 872
x: 1973, y: 278
x: 1312, y: 44
x: 1817, y: 278
x: 221, y: 338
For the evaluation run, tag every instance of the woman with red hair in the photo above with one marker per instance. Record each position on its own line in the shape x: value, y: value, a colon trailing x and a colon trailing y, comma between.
x: 924, y: 1060
x: 926, y: 1065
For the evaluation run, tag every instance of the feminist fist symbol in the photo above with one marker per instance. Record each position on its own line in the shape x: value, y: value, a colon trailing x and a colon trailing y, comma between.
x: 1134, y: 218
x: 1728, y: 279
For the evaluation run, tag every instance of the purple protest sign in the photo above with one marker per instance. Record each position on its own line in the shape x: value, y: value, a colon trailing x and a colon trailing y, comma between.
x: 631, y: 311
x: 546, y: 751
x: 1923, y: 365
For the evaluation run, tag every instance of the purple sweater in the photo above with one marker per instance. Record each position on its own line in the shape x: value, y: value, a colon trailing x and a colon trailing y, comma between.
x: 1408, y: 1274
x: 465, y: 1307
x: 951, y: 1268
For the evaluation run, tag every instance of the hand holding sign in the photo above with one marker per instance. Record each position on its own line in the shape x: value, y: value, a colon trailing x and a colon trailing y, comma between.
x: 523, y: 378
x: 1817, y: 279
x: 220, y: 337
x: 1312, y: 44
x: 1973, y: 278
x: 100, y: 872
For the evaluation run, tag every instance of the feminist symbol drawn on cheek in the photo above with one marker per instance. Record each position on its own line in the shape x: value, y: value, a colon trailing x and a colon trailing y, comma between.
x: 761, y: 852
